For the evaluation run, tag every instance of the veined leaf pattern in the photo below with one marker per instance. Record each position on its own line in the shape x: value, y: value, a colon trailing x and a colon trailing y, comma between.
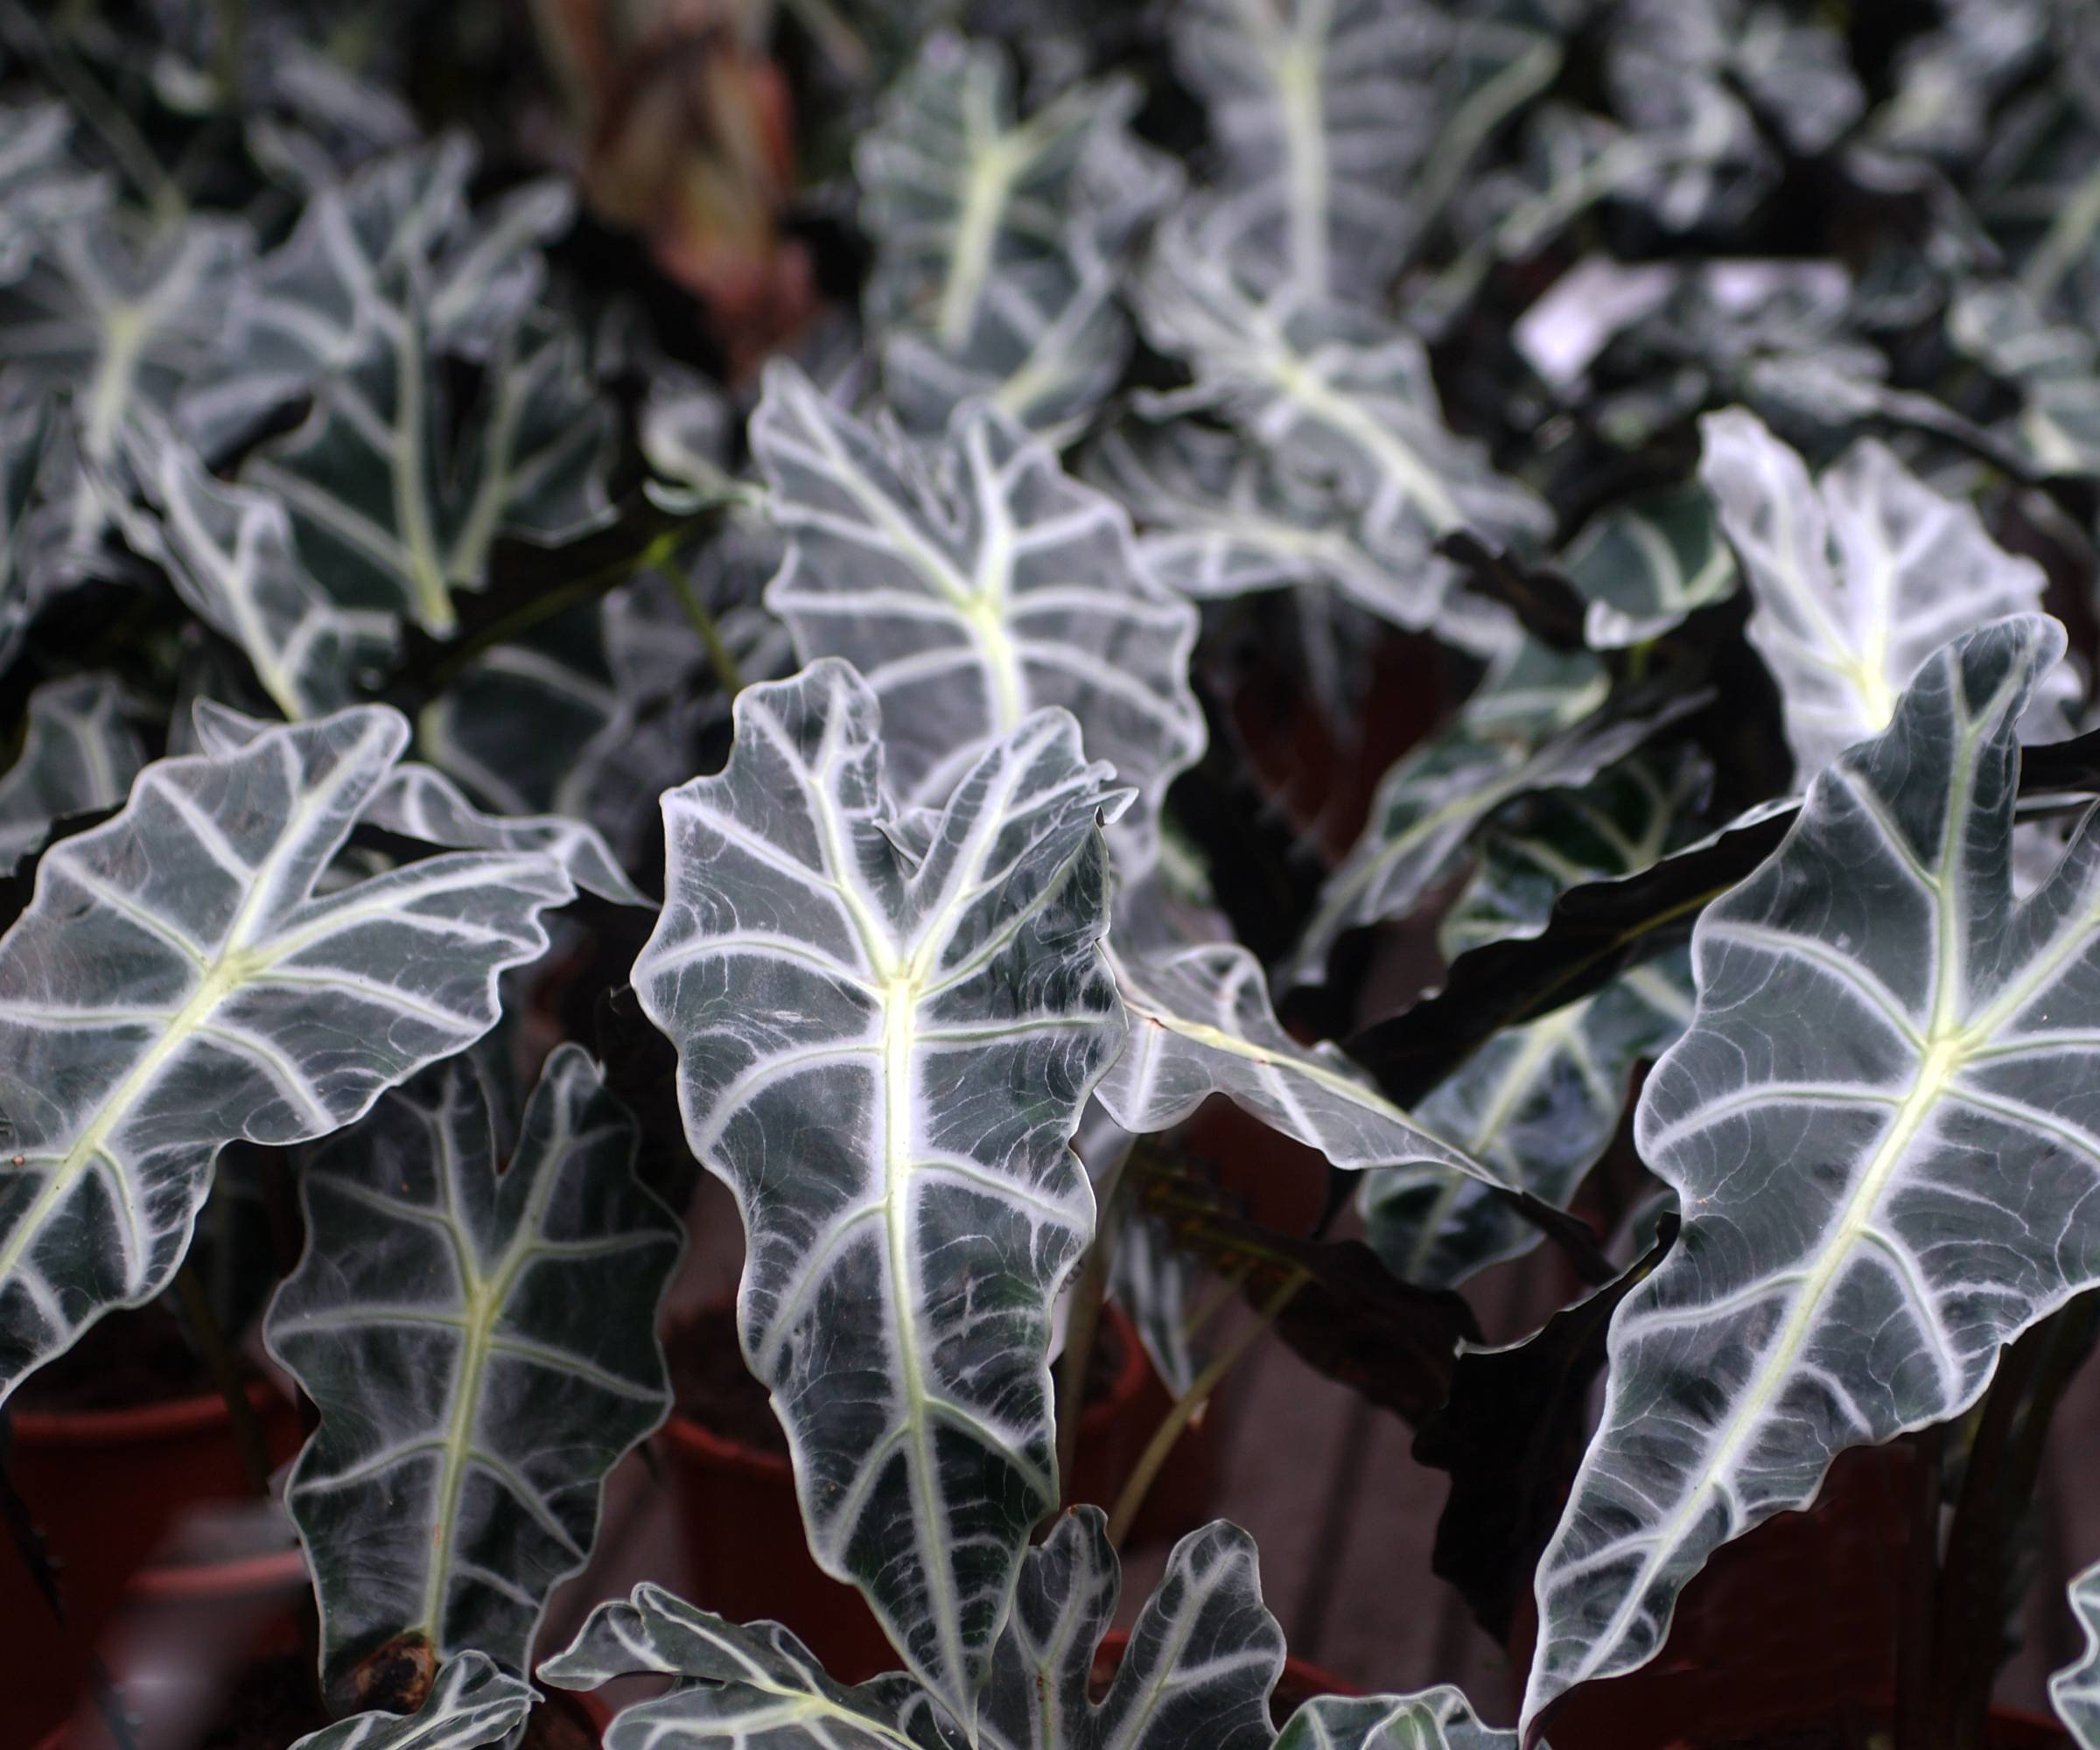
x: 1201, y: 1024
x: 421, y: 802
x: 2075, y: 1690
x: 1346, y: 126
x: 1857, y: 579
x: 972, y: 586
x: 996, y: 238
x: 1538, y: 1104
x: 1217, y: 518
x: 1878, y: 1130
x: 1525, y: 730
x: 397, y: 229
x: 1337, y: 391
x: 42, y: 185
x: 1439, y: 1719
x: 471, y: 1704
x: 1203, y: 1657
x: 228, y: 551
x: 78, y: 753
x: 389, y: 514
x: 913, y: 1007
x: 176, y: 982
x: 120, y: 327
x: 1643, y: 567
x: 482, y: 1348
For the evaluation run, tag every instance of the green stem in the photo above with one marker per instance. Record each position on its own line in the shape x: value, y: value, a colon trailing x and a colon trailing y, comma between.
x: 1189, y: 1405
x: 225, y: 1375
x: 718, y: 655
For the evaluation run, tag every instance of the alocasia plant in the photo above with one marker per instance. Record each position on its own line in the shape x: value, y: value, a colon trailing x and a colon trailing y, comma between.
x: 821, y: 950
x: 221, y: 963
x: 527, y: 1298
x: 840, y: 468
x: 1875, y: 988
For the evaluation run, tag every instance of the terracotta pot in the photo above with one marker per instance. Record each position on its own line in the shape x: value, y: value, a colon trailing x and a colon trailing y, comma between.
x: 747, y: 1556
x: 1298, y: 1685
x: 106, y: 1486
x: 183, y: 1634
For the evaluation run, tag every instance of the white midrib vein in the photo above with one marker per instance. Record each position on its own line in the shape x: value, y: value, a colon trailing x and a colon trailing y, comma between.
x: 1145, y: 1007
x: 981, y: 614
x: 899, y: 980
x: 234, y: 965
x: 486, y: 1295
x: 1947, y: 1047
x: 994, y: 160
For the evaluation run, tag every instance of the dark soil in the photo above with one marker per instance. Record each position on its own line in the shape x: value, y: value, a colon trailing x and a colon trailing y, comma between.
x: 711, y: 1385
x: 135, y: 1357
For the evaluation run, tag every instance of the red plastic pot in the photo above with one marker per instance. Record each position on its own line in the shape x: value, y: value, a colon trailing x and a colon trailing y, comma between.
x: 747, y: 1556
x: 181, y: 1636
x: 106, y: 1486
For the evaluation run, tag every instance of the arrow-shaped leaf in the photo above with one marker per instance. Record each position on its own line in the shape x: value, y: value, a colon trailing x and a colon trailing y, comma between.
x: 389, y: 515
x: 78, y: 753
x: 1857, y: 578
x: 471, y: 1704
x: 482, y: 1348
x: 178, y: 981
x: 1332, y: 389
x: 1876, y: 1129
x: 996, y: 237
x: 972, y: 586
x: 913, y: 1007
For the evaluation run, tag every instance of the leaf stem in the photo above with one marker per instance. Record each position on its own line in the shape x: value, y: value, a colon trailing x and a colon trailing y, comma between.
x: 720, y: 657
x: 226, y: 1374
x: 1190, y: 1403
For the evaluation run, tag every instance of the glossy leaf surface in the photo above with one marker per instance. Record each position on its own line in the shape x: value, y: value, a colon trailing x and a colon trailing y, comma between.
x: 911, y: 1007
x: 179, y: 981
x: 481, y: 1346
x: 973, y: 585
x: 1878, y: 1130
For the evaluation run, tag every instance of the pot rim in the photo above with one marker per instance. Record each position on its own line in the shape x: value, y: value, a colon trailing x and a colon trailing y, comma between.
x: 189, y: 1582
x: 135, y: 1425
x: 696, y: 1437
